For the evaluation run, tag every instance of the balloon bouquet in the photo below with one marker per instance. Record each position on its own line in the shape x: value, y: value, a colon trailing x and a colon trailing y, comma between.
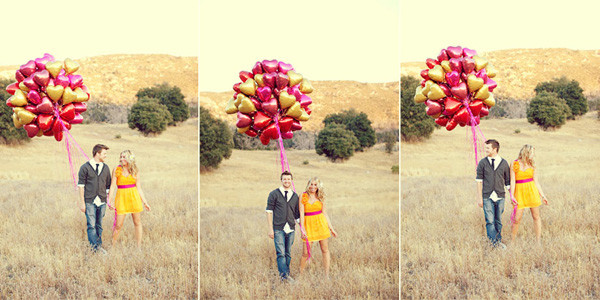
x: 271, y: 103
x: 47, y: 98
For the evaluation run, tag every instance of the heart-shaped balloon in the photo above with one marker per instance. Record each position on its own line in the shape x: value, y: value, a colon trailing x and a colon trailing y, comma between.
x: 270, y: 106
x: 67, y: 112
x: 78, y: 118
x: 304, y: 116
x: 45, y: 106
x: 305, y: 86
x: 30, y: 83
x: 80, y: 107
x: 474, y: 83
x: 246, y: 106
x: 469, y: 52
x: 453, y: 78
x: 285, y: 124
x: 282, y: 80
x: 305, y: 101
x: 437, y: 73
x: 45, y: 121
x: 23, y: 88
x: 490, y: 101
x: 264, y: 93
x: 11, y: 88
x: 32, y: 130
x: 483, y: 93
x: 456, y: 64
x: 269, y: 79
x: 55, y: 92
x: 475, y: 107
x: 257, y: 69
x: 480, y: 62
x: 460, y: 91
x: 243, y: 129
x: 295, y: 111
x: 28, y: 68
x: 68, y: 96
x: 256, y: 103
x: 442, y: 121
x: 491, y: 71
x: 71, y: 66
x: 427, y: 87
x: 42, y: 77
x: 461, y: 116
x: 424, y: 74
x: 16, y: 121
x: 18, y: 99
x: 443, y: 55
x: 451, y: 106
x: 34, y: 97
x: 251, y: 132
x: 296, y: 125
x: 468, y: 65
x: 433, y: 108
x: 446, y: 66
x: 19, y: 76
x: 435, y: 92
x: 62, y: 80
x: 295, y: 90
x: 307, y: 110
x: 445, y: 89
x: 81, y: 95
x: 271, y: 131
x: 236, y: 87
x: 286, y: 100
x: 31, y: 109
x: 287, y: 135
x: 295, y: 78
x: 25, y: 116
x: 454, y: 52
x: 261, y: 120
x: 245, y: 75
x: 40, y: 63
x: 284, y: 68
x: 419, y: 97
x: 270, y: 66
x: 75, y: 81
x: 54, y: 67
x: 484, y: 111
x: 243, y: 120
x: 430, y: 62
x: 259, y: 80
x: 264, y: 139
x: 491, y: 84
x: 248, y: 87
x: 451, y: 124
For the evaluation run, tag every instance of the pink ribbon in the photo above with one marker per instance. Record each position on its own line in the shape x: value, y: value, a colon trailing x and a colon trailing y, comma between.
x: 285, y: 166
x: 126, y: 186
x: 312, y: 213
x: 524, y: 180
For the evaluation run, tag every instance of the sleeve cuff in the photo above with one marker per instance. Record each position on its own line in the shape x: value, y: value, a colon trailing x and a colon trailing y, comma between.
x: 81, y: 185
x: 269, y: 211
x: 478, y: 180
x: 298, y: 221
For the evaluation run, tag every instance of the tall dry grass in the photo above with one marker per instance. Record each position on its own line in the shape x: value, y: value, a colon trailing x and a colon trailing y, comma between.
x: 237, y: 258
x: 445, y: 254
x: 44, y: 250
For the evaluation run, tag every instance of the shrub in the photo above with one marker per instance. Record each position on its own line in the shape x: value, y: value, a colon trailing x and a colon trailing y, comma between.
x: 517, y: 131
x: 104, y: 112
x: 395, y: 169
x: 8, y: 133
x: 548, y: 111
x: 171, y: 97
x: 336, y: 142
x: 415, y: 124
x: 570, y: 91
x: 305, y: 162
x: 215, y: 141
x: 149, y: 116
x: 390, y: 139
x: 357, y: 123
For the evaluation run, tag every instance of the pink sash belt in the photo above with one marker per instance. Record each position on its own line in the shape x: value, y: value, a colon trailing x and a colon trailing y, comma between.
x: 312, y: 213
x: 126, y: 186
x: 524, y: 180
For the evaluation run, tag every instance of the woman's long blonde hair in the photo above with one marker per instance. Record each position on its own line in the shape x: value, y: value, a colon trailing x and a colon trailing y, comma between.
x: 131, y: 166
x: 320, y: 191
x: 525, y: 155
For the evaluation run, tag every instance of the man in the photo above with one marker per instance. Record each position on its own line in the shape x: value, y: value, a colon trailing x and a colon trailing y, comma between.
x: 94, y: 182
x: 282, y: 215
x: 493, y: 179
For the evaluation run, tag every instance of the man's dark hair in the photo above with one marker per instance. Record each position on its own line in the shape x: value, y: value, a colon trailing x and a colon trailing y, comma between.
x: 495, y: 144
x: 286, y: 173
x: 98, y: 148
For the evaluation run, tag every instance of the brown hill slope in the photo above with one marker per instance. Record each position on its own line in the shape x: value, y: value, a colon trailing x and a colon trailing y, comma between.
x: 379, y: 101
x: 520, y: 70
x: 117, y: 78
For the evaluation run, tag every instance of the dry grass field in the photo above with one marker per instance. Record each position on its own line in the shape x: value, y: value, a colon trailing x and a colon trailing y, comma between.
x: 237, y: 258
x: 43, y: 243
x: 444, y: 250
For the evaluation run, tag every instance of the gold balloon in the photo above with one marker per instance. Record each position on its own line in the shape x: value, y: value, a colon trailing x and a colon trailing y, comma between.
x: 304, y: 117
x: 68, y: 96
x: 259, y: 80
x: 16, y: 121
x: 25, y: 116
x: 239, y: 99
x: 231, y: 108
x: 248, y: 87
x: 286, y: 100
x: 437, y: 74
x: 305, y: 86
x: 71, y: 66
x: 474, y: 83
x: 428, y: 85
x: 295, y: 111
x: 295, y: 78
x: 81, y: 95
x: 491, y: 71
x: 40, y: 133
x: 446, y: 66
x: 483, y: 93
x: 55, y: 92
x: 247, y: 106
x: 419, y: 97
x: 18, y: 99
x: 54, y: 68
x: 490, y: 101
x: 480, y: 62
x: 435, y: 93
x: 243, y: 129
x: 23, y: 87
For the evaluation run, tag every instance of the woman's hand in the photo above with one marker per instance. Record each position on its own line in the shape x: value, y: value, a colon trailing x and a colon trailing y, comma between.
x: 545, y: 200
x: 303, y: 235
x: 333, y: 232
x: 146, y: 205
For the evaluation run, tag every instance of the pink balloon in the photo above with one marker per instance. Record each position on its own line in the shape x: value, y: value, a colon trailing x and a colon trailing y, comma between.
x: 62, y: 80
x: 264, y: 93
x: 285, y: 68
x: 34, y: 97
x: 75, y: 81
x: 270, y: 66
x: 460, y: 91
x: 454, y: 52
x: 257, y: 69
x: 305, y: 101
x: 453, y: 78
x: 41, y: 77
x: 28, y: 68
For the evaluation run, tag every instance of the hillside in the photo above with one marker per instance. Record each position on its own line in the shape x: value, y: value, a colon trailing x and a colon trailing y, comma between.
x: 117, y: 78
x: 520, y: 70
x: 378, y: 100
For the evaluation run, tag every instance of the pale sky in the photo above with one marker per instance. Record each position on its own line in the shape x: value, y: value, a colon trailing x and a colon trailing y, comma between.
x: 426, y: 27
x: 322, y: 39
x: 78, y: 29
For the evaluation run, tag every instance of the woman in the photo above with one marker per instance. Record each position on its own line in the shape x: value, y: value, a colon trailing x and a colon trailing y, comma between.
x: 526, y: 191
x: 129, y: 198
x: 313, y: 217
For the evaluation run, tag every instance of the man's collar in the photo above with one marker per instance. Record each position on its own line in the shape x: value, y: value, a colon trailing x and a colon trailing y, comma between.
x: 282, y: 189
x: 93, y: 161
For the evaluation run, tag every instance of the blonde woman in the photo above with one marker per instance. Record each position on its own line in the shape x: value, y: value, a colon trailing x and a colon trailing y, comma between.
x: 526, y: 190
x: 314, y: 218
x: 129, y: 195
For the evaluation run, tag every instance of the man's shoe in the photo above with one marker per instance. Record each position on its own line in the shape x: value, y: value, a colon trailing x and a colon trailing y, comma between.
x: 101, y: 250
x: 502, y: 246
x: 289, y: 279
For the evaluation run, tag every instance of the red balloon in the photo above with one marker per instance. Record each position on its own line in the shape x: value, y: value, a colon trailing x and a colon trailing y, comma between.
x: 270, y: 66
x: 443, y: 55
x: 261, y: 120
x: 257, y: 69
x: 460, y: 91
x: 282, y: 80
x: 430, y: 62
x: 285, y: 124
x: 243, y: 120
x: 442, y: 121
x: 269, y: 79
x: 425, y: 74
x: 451, y: 106
x: 32, y: 129
x: 251, y: 132
x: 67, y: 112
x: 12, y: 88
x: 245, y: 75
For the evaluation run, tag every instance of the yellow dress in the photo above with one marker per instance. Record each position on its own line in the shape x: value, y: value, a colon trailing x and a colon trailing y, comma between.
x: 316, y: 225
x: 526, y: 193
x: 128, y: 199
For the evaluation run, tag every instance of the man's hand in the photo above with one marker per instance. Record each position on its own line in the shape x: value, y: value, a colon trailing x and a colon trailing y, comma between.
x: 81, y: 206
x: 480, y: 202
x: 271, y: 234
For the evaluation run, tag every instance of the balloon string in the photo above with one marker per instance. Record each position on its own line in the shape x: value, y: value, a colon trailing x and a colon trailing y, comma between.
x: 284, y: 164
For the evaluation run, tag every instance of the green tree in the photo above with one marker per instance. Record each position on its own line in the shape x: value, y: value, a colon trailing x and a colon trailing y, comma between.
x: 548, y: 111
x: 358, y: 123
x: 8, y: 133
x: 215, y: 141
x: 415, y: 124
x: 570, y: 91
x: 389, y: 138
x: 149, y: 116
x: 171, y: 97
x: 336, y: 142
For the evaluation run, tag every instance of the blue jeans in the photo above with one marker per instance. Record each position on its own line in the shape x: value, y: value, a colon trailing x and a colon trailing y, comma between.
x: 94, y: 215
x: 283, y: 247
x: 493, y: 219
